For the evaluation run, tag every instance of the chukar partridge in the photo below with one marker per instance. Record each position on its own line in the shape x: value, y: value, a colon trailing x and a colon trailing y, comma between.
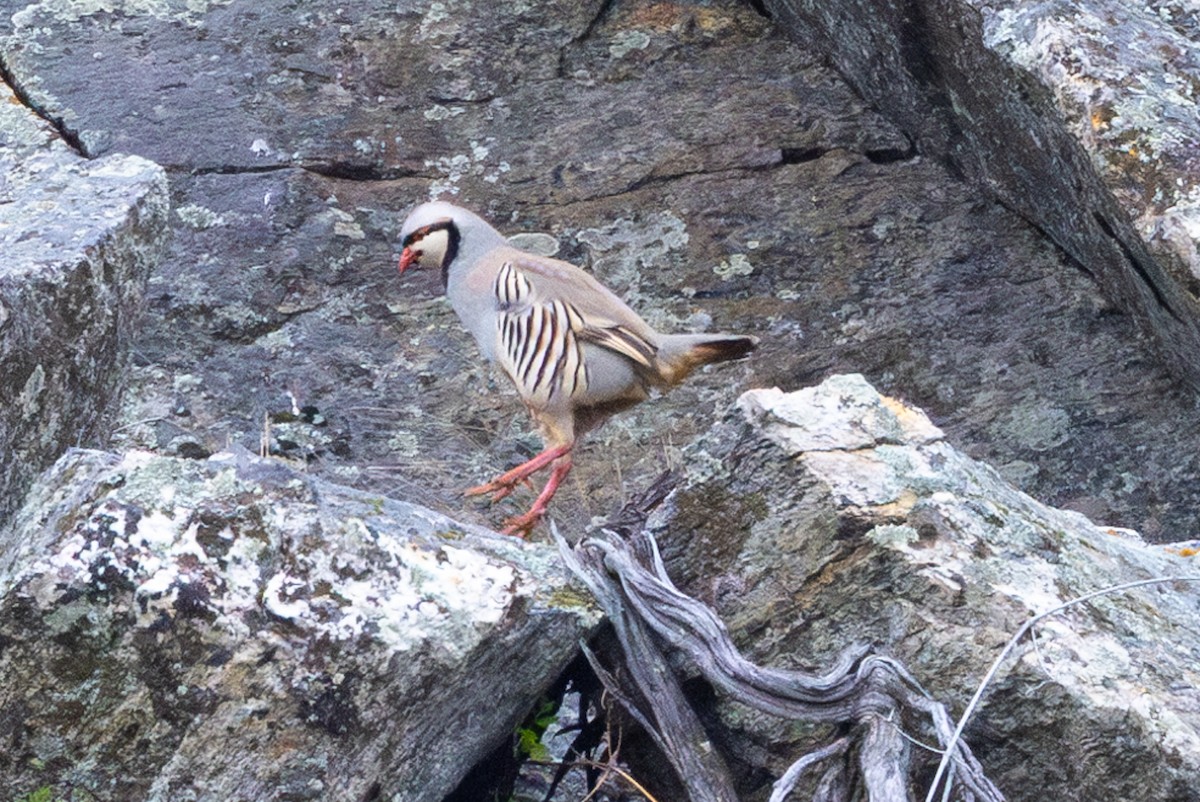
x: 576, y: 353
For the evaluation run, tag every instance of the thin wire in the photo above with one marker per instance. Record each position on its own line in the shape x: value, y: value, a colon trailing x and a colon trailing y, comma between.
x: 962, y: 721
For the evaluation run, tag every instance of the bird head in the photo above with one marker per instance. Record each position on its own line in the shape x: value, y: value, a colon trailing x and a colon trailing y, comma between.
x: 431, y: 243
x: 440, y: 234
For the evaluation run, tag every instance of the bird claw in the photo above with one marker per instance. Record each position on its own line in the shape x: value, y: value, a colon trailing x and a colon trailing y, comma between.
x: 522, y: 525
x: 497, y: 488
x: 503, y: 485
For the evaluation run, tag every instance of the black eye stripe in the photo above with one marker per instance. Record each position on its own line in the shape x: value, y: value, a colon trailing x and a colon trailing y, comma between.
x: 424, y: 231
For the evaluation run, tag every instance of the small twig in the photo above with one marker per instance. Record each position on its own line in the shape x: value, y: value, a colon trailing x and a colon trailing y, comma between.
x: 1037, y: 648
x: 621, y: 482
x: 952, y: 744
x: 891, y: 719
x: 607, y: 768
x: 787, y: 783
x: 612, y: 686
x: 641, y: 789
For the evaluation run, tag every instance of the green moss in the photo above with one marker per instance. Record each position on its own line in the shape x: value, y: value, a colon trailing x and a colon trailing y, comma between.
x: 44, y: 794
x: 569, y: 598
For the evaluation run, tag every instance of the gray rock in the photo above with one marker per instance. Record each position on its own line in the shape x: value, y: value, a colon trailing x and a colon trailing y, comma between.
x: 1119, y: 89
x: 711, y: 171
x: 1078, y: 116
x: 227, y: 628
x: 834, y: 515
x: 78, y: 240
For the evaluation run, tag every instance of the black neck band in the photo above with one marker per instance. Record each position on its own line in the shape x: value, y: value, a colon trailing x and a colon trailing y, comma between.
x: 452, y: 241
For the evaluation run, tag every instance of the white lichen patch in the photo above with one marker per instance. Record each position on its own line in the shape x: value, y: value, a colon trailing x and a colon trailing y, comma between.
x: 455, y: 168
x: 198, y: 217
x: 623, y: 249
x: 535, y: 242
x: 30, y: 398
x: 736, y: 265
x: 203, y: 540
x: 405, y: 443
x: 843, y: 414
x: 283, y: 597
x: 447, y: 592
x: 438, y: 112
x: 893, y: 535
x: 186, y: 383
x: 342, y: 223
x: 625, y: 42
x: 75, y: 10
x: 1035, y: 426
x: 22, y: 128
x: 860, y: 479
x: 434, y: 22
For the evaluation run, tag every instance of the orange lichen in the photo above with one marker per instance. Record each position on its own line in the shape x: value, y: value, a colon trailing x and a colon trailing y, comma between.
x: 1102, y: 117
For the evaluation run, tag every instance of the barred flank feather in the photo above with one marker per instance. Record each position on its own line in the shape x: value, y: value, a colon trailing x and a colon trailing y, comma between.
x: 539, y: 350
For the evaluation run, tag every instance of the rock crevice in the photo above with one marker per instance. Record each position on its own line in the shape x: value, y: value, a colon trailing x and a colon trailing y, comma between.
x: 1037, y: 141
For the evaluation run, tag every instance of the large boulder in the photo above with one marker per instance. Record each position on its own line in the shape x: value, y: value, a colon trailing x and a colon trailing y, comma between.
x: 829, y: 516
x: 78, y: 240
x: 229, y: 629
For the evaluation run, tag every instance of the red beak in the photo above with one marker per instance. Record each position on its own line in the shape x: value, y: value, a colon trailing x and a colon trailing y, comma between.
x: 407, y: 258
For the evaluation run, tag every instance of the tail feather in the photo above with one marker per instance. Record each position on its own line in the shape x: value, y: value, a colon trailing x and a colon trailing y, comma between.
x: 680, y: 354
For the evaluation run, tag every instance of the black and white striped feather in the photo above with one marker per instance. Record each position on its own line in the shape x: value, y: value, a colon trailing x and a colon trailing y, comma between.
x: 541, y: 341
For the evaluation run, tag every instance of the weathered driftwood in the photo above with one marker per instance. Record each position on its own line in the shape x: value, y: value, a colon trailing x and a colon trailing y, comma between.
x: 871, y: 696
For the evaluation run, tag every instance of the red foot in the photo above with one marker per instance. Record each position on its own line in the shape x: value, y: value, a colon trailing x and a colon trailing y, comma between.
x: 504, y: 484
x: 522, y: 525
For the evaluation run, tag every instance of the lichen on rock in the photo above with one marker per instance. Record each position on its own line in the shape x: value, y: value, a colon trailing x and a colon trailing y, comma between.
x: 838, y: 515
x: 204, y: 588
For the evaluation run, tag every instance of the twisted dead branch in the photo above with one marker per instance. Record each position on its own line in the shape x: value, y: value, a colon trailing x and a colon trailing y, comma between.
x: 868, y: 694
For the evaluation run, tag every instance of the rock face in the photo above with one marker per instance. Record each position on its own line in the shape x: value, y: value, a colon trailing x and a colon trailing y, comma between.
x: 1082, y: 117
x: 78, y: 239
x: 833, y: 515
x: 709, y: 167
x: 229, y: 629
x: 618, y: 134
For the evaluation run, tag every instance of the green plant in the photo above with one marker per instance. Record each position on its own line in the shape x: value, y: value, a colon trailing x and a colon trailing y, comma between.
x: 43, y: 794
x: 529, y: 735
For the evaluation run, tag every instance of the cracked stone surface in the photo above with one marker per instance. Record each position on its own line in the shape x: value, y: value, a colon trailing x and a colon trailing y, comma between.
x: 1125, y: 78
x: 231, y: 629
x: 1082, y: 117
x: 78, y: 239
x: 712, y: 171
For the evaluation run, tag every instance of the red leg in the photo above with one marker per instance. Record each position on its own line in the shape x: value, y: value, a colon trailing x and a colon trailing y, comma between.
x: 522, y: 525
x: 504, y: 484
